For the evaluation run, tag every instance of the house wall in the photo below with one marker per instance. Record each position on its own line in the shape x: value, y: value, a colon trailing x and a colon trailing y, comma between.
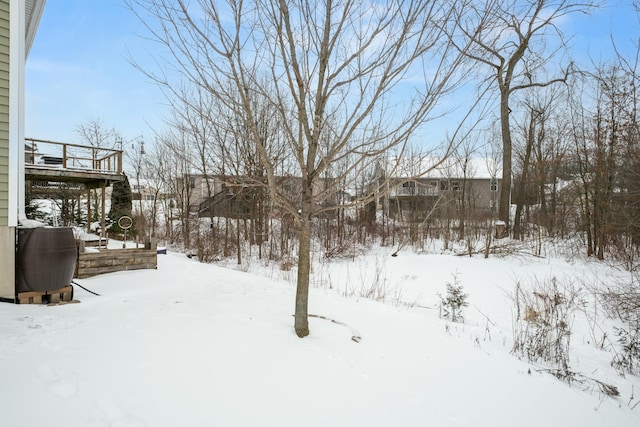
x: 13, y: 53
x: 415, y: 200
x: 484, y: 198
x: 198, y: 189
x: 7, y: 262
x: 7, y: 233
x: 230, y: 198
x: 200, y: 192
x: 4, y: 112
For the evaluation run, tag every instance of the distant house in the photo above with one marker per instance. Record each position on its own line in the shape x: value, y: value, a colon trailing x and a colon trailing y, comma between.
x: 412, y: 190
x: 239, y: 197
x: 148, y: 190
x: 191, y: 189
x: 234, y: 197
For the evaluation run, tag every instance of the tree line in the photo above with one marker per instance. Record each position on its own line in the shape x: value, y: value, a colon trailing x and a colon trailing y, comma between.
x: 324, y: 91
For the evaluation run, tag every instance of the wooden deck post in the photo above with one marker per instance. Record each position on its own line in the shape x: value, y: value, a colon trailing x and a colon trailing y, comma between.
x: 104, y: 198
x: 89, y: 211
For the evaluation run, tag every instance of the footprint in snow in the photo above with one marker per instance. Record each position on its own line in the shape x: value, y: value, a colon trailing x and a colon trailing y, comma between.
x: 56, y: 384
x: 116, y: 417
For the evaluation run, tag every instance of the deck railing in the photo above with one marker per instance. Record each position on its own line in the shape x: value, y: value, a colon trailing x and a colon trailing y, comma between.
x: 420, y: 190
x: 48, y: 154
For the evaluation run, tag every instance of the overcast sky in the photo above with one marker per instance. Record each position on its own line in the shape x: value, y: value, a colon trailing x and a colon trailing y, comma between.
x: 78, y: 69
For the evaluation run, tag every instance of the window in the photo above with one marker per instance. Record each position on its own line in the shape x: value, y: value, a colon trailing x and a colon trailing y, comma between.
x: 192, y: 182
x: 455, y: 186
x: 494, y: 185
x: 408, y: 188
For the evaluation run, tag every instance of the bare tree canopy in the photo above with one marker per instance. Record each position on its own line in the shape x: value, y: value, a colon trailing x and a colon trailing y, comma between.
x: 516, y: 40
x: 95, y: 134
x: 347, y: 81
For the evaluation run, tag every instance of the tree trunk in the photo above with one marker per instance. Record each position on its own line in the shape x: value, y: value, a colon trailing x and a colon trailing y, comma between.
x: 301, y: 323
x: 227, y: 225
x: 588, y: 223
x: 505, y: 185
x: 463, y: 210
x: 517, y: 222
x: 238, y: 246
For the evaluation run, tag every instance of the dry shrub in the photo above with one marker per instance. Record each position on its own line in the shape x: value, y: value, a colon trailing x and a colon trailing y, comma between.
x: 622, y: 302
x: 542, y: 325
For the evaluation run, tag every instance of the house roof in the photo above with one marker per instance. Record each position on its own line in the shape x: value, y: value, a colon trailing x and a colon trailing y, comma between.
x: 33, y: 13
x: 449, y: 168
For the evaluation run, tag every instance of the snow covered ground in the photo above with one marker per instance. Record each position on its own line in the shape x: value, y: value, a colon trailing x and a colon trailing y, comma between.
x: 191, y: 344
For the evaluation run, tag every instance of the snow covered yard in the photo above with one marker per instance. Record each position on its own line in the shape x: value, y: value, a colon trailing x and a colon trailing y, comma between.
x: 191, y: 344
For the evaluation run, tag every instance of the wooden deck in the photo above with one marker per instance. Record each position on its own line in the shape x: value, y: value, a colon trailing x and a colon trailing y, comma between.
x: 58, y: 162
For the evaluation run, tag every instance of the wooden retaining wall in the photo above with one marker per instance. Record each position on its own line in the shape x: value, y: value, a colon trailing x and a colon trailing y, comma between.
x: 111, y: 260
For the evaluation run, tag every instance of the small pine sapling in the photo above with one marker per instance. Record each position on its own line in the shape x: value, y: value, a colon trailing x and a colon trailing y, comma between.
x: 451, y: 305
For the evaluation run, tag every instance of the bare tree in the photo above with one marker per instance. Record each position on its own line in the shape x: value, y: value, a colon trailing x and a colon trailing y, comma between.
x: 509, y: 37
x: 175, y: 166
x: 95, y: 134
x: 331, y: 71
x: 605, y: 135
x: 520, y: 193
x: 162, y: 171
x: 539, y: 159
x: 552, y: 155
x: 538, y: 155
x: 193, y: 115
